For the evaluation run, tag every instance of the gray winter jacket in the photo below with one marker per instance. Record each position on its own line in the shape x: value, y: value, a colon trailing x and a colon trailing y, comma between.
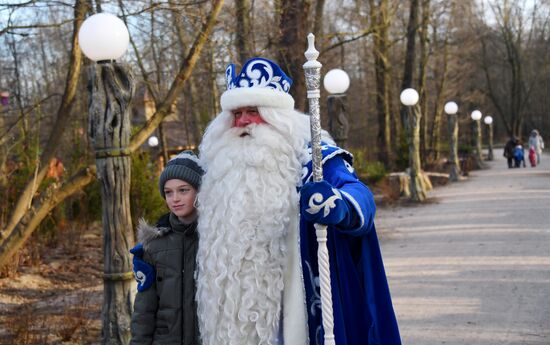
x: 166, y: 313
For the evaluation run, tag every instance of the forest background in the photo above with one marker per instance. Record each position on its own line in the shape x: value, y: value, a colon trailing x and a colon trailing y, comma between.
x: 486, y: 55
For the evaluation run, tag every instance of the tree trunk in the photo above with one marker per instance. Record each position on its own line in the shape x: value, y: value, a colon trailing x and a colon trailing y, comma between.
x: 422, y: 86
x: 380, y: 20
x: 193, y: 115
x: 318, y: 20
x: 411, y: 116
x: 112, y: 88
x: 409, y: 59
x: 3, y: 159
x: 435, y: 138
x: 243, y: 32
x: 163, y: 143
x: 292, y: 45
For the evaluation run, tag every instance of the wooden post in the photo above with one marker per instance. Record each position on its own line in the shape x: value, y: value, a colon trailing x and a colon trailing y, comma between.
x: 111, y: 90
x: 338, y: 122
x: 490, y: 155
x: 455, y: 172
x: 478, y: 153
x: 418, y: 192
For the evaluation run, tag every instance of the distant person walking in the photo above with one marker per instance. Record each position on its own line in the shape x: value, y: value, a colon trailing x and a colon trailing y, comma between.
x: 519, y: 154
x: 536, y: 142
x: 509, y: 151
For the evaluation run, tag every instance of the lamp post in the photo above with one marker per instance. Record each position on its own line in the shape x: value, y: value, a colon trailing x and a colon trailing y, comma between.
x: 451, y: 108
x: 476, y: 117
x: 489, y: 122
x: 409, y: 98
x: 104, y: 38
x: 336, y: 82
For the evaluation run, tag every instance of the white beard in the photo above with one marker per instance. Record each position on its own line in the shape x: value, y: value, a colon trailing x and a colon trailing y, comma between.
x: 247, y: 200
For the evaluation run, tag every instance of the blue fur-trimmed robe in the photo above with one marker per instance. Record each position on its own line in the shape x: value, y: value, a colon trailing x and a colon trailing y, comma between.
x: 362, y: 307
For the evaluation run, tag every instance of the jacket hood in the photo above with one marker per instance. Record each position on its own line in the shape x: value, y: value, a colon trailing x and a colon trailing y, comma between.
x: 146, y: 232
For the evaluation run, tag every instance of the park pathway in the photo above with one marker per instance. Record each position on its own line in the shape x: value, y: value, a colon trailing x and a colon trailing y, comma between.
x: 472, y: 266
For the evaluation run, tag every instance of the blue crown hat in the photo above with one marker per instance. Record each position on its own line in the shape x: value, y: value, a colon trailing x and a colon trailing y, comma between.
x: 261, y: 83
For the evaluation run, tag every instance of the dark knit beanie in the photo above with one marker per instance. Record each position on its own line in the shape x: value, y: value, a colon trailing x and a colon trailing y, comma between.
x: 186, y: 167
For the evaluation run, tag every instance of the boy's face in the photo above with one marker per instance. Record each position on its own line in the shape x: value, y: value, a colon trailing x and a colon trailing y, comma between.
x: 180, y: 198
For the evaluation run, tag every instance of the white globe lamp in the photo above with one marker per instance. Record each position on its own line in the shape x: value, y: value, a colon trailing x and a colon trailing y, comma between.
x: 451, y: 108
x: 103, y: 36
x: 153, y: 141
x: 409, y: 97
x: 488, y: 119
x: 476, y: 115
x: 336, y: 81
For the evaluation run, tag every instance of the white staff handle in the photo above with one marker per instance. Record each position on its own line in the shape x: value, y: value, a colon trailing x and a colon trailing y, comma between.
x: 312, y: 70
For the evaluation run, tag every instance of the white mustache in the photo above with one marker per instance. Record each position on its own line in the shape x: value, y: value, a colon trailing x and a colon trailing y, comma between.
x: 246, y: 131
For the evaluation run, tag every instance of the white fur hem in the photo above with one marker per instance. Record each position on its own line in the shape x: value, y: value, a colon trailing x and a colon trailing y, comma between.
x: 295, y: 328
x: 255, y: 97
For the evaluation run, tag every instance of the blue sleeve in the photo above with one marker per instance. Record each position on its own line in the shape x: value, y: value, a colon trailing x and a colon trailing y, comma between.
x: 340, y: 174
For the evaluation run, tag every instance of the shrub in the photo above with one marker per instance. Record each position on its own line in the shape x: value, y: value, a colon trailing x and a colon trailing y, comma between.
x: 465, y: 149
x: 376, y: 171
x: 372, y: 172
x: 402, y: 153
x: 145, y: 199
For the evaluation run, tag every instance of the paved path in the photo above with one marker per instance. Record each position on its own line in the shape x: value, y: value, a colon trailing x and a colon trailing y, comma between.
x: 473, y: 266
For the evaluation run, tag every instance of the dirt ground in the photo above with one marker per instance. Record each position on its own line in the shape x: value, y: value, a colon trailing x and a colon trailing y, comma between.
x: 58, y: 300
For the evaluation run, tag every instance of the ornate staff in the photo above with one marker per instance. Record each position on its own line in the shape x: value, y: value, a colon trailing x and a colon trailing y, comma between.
x: 312, y: 70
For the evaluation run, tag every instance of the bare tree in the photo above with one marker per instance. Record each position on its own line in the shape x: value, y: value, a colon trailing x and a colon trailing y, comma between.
x: 380, y: 20
x: 23, y: 204
x: 441, y: 90
x: 29, y: 220
x: 318, y: 20
x: 243, y: 32
x: 422, y: 73
x: 292, y: 44
x: 410, y: 55
x: 508, y: 79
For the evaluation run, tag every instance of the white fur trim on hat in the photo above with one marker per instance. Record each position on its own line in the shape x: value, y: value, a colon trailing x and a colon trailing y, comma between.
x: 255, y: 97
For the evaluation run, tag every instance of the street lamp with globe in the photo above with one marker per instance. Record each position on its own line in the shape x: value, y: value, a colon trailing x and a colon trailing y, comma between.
x: 488, y: 120
x: 451, y: 108
x: 336, y: 82
x: 104, y: 38
x: 409, y: 98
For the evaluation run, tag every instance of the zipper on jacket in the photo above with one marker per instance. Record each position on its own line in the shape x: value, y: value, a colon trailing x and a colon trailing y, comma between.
x: 183, y: 289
